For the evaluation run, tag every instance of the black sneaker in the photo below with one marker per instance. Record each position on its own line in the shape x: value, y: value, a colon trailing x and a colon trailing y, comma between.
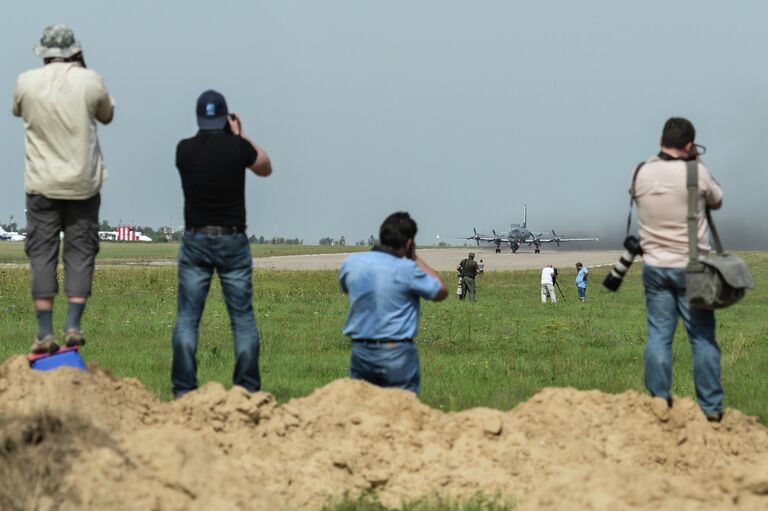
x: 73, y: 337
x: 47, y: 344
x: 714, y: 416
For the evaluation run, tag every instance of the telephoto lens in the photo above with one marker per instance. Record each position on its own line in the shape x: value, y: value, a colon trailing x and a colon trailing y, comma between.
x: 632, y: 249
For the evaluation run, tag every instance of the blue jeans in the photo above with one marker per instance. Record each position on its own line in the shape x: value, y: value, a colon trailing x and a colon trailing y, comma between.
x: 386, y: 364
x: 666, y: 301
x: 199, y: 255
x: 582, y: 291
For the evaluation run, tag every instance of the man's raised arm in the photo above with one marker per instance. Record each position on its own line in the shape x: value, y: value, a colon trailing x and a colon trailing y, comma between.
x: 262, y: 166
x: 442, y: 293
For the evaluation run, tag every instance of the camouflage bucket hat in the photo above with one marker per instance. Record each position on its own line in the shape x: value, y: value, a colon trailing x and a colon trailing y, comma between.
x: 58, y: 41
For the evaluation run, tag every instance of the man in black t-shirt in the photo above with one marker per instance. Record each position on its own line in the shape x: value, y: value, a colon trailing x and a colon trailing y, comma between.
x: 212, y: 166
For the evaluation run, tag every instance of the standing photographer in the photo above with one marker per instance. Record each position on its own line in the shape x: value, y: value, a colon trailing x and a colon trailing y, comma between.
x: 548, y: 279
x: 469, y: 271
x: 60, y: 104
x: 659, y: 188
x: 212, y: 167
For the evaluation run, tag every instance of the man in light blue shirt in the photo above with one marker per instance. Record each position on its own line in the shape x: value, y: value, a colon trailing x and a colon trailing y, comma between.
x: 581, y: 281
x: 384, y: 288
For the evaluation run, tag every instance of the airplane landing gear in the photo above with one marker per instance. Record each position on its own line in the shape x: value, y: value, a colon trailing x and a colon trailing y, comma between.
x: 537, y: 251
x: 498, y: 250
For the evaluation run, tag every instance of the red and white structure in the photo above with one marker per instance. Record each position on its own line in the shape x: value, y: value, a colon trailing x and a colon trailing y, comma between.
x: 127, y: 233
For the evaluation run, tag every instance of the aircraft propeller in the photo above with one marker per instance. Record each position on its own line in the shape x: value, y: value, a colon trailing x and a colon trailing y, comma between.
x: 535, y: 239
x: 477, y: 238
x: 557, y: 238
x: 497, y: 238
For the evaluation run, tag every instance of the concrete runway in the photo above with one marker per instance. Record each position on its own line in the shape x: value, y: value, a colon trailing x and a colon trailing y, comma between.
x: 446, y: 259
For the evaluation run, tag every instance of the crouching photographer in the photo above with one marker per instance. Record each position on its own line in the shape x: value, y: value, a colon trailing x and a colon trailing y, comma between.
x: 660, y: 190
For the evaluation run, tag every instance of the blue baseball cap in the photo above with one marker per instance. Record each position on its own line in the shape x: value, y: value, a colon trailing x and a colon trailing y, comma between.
x: 211, y: 110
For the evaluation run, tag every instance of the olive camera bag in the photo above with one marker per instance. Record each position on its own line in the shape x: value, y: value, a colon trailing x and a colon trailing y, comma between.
x: 721, y: 279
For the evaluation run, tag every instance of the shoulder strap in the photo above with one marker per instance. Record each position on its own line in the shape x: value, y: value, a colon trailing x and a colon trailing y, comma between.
x: 632, y: 194
x: 693, y: 217
x: 692, y: 182
x: 715, y: 237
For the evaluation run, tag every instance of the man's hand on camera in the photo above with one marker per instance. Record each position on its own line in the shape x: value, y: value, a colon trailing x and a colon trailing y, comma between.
x: 234, y: 124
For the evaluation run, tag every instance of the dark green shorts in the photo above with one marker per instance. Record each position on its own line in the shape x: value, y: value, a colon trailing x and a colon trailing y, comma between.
x: 46, y: 220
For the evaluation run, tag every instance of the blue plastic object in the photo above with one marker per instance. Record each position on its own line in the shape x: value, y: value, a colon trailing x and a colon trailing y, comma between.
x: 63, y: 358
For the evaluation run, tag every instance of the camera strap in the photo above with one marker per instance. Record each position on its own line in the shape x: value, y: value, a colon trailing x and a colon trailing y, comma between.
x: 632, y: 195
x: 692, y: 183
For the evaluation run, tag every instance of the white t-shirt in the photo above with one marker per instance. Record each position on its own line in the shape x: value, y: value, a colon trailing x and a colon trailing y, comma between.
x: 546, y: 275
x: 661, y: 193
x: 60, y: 103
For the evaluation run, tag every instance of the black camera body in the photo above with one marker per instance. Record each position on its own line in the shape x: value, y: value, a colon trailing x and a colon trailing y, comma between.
x: 632, y: 249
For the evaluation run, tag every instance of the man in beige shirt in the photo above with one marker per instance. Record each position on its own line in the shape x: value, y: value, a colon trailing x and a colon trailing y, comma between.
x: 660, y: 189
x: 60, y: 104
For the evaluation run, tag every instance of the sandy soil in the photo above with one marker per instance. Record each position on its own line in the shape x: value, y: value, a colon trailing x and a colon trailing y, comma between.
x: 71, y: 440
x: 446, y: 259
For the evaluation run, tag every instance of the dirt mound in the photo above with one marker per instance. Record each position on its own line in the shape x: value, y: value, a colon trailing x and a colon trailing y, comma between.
x: 79, y: 440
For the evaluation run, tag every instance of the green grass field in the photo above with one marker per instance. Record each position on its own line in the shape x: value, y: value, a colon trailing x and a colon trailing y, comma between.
x: 495, y: 353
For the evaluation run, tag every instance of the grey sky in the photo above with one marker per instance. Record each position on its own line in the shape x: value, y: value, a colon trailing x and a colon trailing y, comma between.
x: 458, y: 112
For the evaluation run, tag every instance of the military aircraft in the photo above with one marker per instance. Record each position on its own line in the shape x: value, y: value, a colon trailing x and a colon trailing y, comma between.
x: 518, y: 235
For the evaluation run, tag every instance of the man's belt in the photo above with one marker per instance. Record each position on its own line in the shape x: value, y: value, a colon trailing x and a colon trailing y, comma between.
x: 216, y: 230
x: 381, y: 341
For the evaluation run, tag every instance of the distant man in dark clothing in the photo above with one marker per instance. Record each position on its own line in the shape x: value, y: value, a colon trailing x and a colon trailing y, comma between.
x: 384, y: 287
x: 212, y: 167
x: 462, y: 289
x: 469, y: 271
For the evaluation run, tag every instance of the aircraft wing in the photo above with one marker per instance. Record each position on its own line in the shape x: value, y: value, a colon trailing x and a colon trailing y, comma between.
x: 479, y: 237
x: 561, y: 240
x: 576, y: 239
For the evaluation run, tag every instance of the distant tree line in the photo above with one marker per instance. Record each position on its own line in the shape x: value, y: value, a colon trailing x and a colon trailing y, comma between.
x: 165, y: 233
x: 11, y: 226
x: 331, y: 241
x: 261, y: 240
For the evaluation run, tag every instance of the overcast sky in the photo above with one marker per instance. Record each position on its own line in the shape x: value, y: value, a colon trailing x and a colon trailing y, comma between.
x: 457, y: 111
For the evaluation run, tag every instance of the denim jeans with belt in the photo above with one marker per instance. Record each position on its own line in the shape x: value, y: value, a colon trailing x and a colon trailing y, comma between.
x: 386, y: 364
x: 230, y: 255
x: 665, y: 302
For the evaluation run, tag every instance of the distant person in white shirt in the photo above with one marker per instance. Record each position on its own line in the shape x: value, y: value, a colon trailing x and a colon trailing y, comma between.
x: 548, y: 284
x: 60, y: 104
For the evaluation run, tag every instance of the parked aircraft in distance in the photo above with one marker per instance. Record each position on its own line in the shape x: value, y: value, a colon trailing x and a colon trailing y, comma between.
x: 115, y: 236
x: 11, y: 236
x: 519, y: 235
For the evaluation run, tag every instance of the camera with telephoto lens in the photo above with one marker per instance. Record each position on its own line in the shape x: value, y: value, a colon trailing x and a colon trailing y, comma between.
x: 632, y: 249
